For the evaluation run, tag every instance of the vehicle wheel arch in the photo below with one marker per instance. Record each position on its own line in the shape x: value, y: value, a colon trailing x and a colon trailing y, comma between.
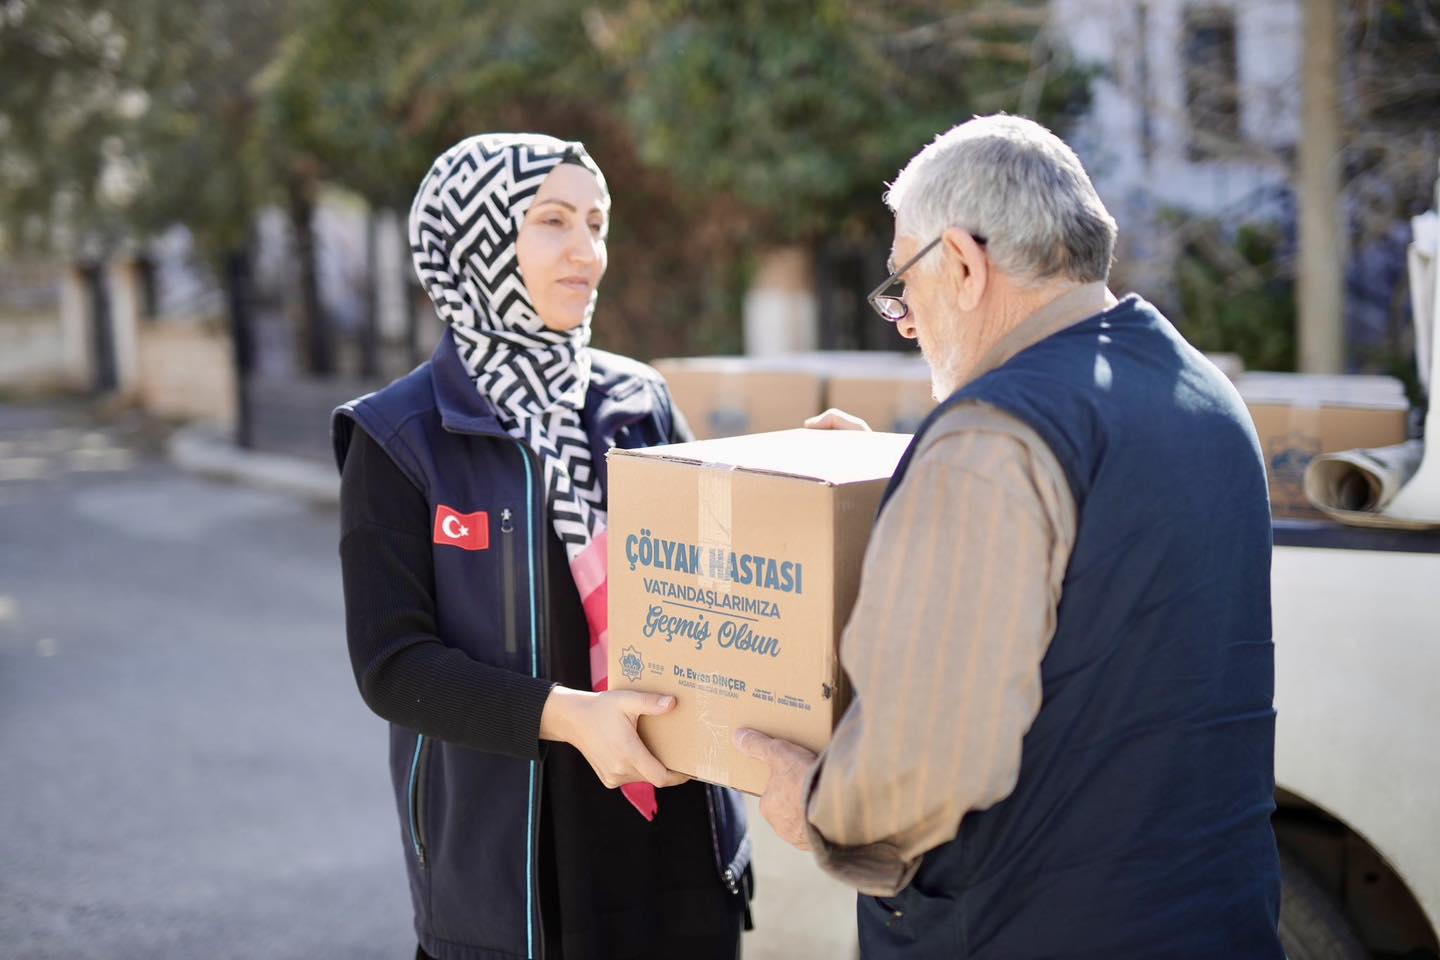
x: 1373, y: 894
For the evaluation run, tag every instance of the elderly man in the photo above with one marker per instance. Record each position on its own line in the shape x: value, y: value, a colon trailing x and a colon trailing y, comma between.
x: 1061, y: 741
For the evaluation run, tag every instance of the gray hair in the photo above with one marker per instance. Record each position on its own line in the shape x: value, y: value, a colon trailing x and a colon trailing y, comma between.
x: 1020, y: 187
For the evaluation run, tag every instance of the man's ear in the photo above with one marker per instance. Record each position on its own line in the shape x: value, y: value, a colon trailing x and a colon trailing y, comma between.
x: 968, y: 267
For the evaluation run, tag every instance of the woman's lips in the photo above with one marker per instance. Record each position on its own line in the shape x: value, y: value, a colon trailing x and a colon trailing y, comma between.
x: 575, y: 284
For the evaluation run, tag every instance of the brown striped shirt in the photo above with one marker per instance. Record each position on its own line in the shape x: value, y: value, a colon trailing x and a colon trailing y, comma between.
x: 956, y: 609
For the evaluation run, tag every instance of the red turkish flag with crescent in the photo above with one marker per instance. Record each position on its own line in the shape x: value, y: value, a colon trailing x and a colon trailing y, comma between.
x: 468, y: 531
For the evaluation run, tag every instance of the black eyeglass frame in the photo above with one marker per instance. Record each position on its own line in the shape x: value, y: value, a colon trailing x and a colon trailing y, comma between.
x: 876, y: 295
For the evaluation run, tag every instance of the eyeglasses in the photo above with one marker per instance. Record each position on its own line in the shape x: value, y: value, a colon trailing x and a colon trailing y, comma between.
x: 893, y: 307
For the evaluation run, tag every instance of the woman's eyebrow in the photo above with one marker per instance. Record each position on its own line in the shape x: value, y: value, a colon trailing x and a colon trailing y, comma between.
x: 570, y: 206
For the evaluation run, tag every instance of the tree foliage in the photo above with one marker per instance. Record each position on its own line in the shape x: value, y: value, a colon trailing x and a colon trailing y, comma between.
x: 720, y: 125
x: 1391, y: 138
x: 801, y: 111
x: 1237, y: 291
x: 61, y: 112
x: 368, y: 95
x: 122, y: 118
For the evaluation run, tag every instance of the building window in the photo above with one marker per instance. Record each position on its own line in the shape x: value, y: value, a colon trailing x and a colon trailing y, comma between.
x: 1212, y: 87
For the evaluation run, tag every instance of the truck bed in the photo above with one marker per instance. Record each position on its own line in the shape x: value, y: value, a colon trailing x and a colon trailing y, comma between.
x: 1326, y: 534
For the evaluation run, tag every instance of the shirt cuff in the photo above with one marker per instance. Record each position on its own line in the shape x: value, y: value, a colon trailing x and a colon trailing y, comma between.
x: 876, y: 869
x: 516, y: 729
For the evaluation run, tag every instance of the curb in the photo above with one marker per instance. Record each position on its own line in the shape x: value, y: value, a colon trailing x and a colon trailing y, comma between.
x: 212, y: 454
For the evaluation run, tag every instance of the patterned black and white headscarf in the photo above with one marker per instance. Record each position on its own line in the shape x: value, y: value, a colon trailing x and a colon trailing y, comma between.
x: 463, y: 230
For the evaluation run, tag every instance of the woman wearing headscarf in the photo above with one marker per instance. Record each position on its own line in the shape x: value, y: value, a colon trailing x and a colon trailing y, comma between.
x: 535, y: 822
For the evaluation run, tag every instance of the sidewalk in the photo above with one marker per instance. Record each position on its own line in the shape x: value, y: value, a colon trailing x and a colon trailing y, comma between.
x: 41, y: 438
x: 211, y: 452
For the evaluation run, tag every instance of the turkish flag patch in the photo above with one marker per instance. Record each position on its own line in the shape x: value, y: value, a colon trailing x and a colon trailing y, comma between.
x: 468, y: 531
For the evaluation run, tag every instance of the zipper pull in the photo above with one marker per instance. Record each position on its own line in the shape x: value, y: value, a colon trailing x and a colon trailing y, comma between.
x: 505, y: 525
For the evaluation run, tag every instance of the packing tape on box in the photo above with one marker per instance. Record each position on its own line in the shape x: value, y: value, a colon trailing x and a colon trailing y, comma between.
x: 714, y: 526
x: 715, y: 533
x: 1290, y: 455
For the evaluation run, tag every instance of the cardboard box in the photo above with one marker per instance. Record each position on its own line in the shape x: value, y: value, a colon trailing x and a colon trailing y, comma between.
x: 894, y: 396
x: 729, y: 396
x: 1300, y: 416
x: 733, y: 567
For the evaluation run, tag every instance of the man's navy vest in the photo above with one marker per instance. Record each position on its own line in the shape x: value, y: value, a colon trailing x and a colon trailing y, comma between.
x: 470, y: 820
x: 1140, y: 824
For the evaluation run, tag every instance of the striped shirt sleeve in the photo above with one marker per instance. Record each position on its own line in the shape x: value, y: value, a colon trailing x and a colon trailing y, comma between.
x: 956, y: 609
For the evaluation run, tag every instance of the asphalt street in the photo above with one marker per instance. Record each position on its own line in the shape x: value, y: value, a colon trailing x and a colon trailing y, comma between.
x: 187, y: 769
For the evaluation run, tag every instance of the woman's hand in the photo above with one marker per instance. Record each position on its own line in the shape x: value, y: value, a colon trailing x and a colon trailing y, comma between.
x: 602, y: 727
x: 833, y: 419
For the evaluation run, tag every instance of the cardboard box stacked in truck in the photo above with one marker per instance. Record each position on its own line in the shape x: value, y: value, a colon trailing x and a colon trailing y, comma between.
x: 730, y: 396
x: 896, y: 398
x: 1300, y: 416
x: 733, y: 567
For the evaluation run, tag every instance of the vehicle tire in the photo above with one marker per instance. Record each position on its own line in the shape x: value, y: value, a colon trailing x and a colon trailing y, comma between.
x: 1312, y: 924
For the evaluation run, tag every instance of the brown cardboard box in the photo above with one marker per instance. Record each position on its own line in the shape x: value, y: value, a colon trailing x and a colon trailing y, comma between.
x: 892, y: 391
x: 894, y: 397
x: 1299, y: 416
x: 727, y: 396
x: 733, y: 567
x: 731, y: 396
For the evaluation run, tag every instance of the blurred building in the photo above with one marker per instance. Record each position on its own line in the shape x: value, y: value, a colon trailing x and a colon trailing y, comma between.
x: 155, y: 326
x: 1195, y: 109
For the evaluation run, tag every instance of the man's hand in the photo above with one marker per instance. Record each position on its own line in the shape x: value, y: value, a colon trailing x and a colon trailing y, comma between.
x: 784, y: 801
x: 833, y: 419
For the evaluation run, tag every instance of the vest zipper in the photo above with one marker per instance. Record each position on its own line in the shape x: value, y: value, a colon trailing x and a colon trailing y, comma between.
x: 417, y: 797
x: 507, y: 577
x: 535, y: 587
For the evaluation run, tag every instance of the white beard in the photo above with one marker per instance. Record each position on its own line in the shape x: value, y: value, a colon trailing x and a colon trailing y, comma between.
x: 945, y: 369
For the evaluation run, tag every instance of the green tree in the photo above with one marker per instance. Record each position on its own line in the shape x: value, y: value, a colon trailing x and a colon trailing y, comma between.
x: 63, y: 106
x: 722, y: 126
x: 801, y: 111
x: 1237, y: 292
x: 122, y: 118
x: 368, y: 95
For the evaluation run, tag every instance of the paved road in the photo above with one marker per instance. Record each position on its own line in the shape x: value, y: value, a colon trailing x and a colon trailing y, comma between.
x: 185, y: 769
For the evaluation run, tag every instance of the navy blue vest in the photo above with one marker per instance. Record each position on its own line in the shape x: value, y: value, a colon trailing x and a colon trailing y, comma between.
x: 470, y: 819
x: 1140, y: 824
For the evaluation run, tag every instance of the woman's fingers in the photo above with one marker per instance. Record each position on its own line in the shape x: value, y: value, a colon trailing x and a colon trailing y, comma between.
x: 644, y: 766
x: 636, y: 704
x: 834, y: 419
x: 612, y: 745
x: 653, y: 771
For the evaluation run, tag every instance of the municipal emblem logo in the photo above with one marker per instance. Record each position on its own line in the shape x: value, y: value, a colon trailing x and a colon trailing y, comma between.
x: 631, y: 663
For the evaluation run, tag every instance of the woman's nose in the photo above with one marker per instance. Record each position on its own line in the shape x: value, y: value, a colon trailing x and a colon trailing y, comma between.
x: 581, y: 248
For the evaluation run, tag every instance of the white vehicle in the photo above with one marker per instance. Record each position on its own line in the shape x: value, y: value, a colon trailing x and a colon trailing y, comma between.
x: 1357, y: 744
x: 1357, y: 690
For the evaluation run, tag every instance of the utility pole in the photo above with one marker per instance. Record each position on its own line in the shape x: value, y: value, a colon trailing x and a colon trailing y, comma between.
x: 1322, y: 222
